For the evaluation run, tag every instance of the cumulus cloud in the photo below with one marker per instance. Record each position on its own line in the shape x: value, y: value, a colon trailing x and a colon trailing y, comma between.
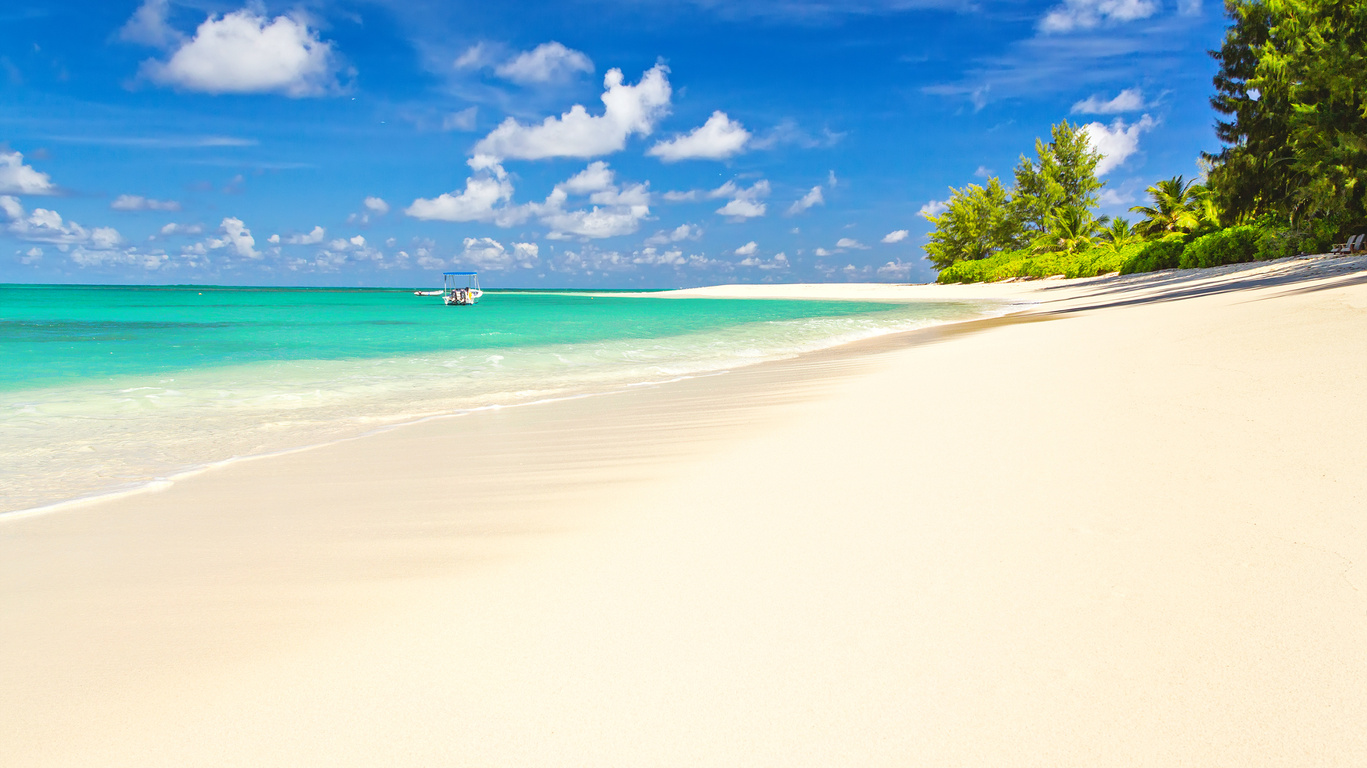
x: 896, y: 270
x: 97, y: 246
x: 747, y: 250
x: 629, y: 110
x: 1116, y: 142
x: 934, y: 208
x: 543, y: 64
x: 309, y: 238
x: 489, y: 254
x: 376, y: 205
x: 895, y: 236
x: 849, y: 242
x: 813, y: 197
x: 679, y: 233
x: 1128, y: 100
x: 19, y: 179
x: 48, y: 226
x: 236, y: 237
x: 779, y: 261
x: 1089, y: 14
x: 140, y: 203
x: 485, y: 197
x: 595, y: 178
x: 745, y: 203
x: 246, y: 52
x: 682, y: 196
x: 717, y: 139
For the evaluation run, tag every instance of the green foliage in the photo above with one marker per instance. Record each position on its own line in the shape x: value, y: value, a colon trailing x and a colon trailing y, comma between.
x: 1061, y: 181
x: 1292, y: 82
x: 1067, y: 230
x: 1227, y: 246
x: 1177, y: 208
x: 1155, y: 255
x: 1049, y: 208
x: 975, y: 224
x: 1028, y: 264
x: 1119, y: 234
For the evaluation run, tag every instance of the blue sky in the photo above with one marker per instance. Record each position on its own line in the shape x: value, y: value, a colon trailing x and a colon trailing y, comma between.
x: 580, y: 143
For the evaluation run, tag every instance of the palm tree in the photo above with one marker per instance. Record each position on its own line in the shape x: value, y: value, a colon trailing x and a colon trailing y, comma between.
x: 1176, y: 208
x: 1120, y: 234
x: 1068, y: 230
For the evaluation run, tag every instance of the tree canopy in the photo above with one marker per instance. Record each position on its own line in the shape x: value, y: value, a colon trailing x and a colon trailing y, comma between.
x: 1293, y: 87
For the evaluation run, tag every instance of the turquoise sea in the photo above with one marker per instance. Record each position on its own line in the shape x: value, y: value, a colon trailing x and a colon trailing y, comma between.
x: 108, y: 388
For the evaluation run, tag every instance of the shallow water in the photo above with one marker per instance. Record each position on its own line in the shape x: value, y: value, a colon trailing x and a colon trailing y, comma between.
x: 108, y: 388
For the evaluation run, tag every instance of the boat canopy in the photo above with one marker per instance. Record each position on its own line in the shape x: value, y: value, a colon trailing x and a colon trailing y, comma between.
x: 460, y: 273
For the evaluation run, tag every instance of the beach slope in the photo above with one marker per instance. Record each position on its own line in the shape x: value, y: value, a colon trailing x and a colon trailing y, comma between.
x: 1123, y: 528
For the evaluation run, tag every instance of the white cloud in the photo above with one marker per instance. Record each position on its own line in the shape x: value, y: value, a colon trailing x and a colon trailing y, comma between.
x: 488, y: 253
x: 895, y: 236
x: 237, y: 237
x: 745, y: 201
x: 140, y: 203
x: 779, y: 261
x: 813, y: 197
x: 148, y: 26
x: 747, y: 250
x: 376, y: 205
x: 310, y: 238
x: 1128, y: 100
x: 475, y: 57
x: 1117, y: 142
x: 849, y: 242
x: 677, y: 196
x: 181, y: 229
x: 463, y: 120
x: 19, y: 179
x: 823, y: 252
x: 47, y: 226
x: 1089, y: 14
x: 616, y: 211
x: 1114, y: 197
x: 544, y: 63
x: 615, y: 219
x: 245, y: 52
x: 595, y: 178
x: 629, y: 110
x: 718, y: 138
x: 982, y: 172
x: 934, y: 208
x: 484, y: 198
x: 896, y: 270
x: 681, y: 232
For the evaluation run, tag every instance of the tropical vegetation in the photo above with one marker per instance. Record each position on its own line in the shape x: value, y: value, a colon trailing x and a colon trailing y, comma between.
x: 1291, y: 95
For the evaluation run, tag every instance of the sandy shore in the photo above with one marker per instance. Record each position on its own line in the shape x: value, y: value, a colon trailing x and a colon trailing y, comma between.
x: 1123, y: 528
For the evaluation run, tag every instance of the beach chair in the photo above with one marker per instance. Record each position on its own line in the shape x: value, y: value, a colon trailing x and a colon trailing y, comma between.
x: 1354, y: 244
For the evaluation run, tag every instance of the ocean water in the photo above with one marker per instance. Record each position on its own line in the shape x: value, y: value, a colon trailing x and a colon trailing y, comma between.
x: 104, y: 389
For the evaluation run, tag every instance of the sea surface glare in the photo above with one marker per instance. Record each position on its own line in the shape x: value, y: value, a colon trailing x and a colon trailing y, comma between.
x: 104, y: 389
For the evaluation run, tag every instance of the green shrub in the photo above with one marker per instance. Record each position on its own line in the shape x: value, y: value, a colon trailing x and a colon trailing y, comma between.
x: 1235, y: 245
x: 1097, y: 260
x: 1156, y: 255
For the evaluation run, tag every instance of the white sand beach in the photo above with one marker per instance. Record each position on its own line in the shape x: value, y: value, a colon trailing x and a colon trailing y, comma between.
x: 1122, y: 528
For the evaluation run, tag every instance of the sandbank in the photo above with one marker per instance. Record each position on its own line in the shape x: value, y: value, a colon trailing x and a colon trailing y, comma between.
x: 1122, y: 527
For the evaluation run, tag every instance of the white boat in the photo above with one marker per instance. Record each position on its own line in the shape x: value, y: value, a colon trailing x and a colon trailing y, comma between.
x: 428, y: 293
x: 460, y: 288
